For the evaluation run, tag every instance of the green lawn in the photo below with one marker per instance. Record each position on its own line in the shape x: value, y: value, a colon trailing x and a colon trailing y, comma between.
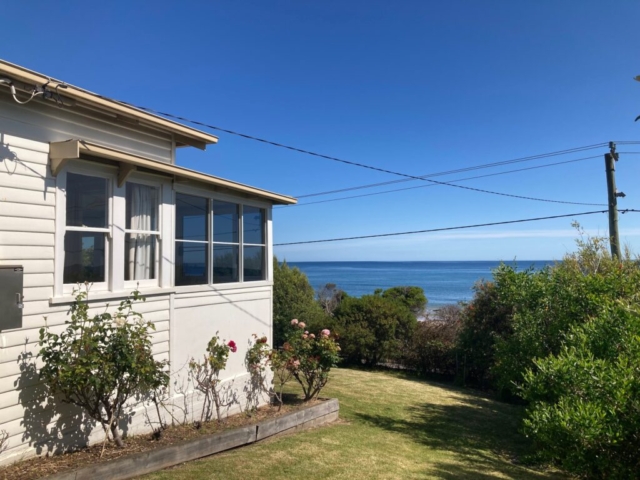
x: 392, y: 427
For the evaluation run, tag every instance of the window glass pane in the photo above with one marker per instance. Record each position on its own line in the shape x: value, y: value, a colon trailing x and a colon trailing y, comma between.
x: 142, y: 207
x: 253, y: 224
x: 191, y: 263
x: 225, y: 263
x: 191, y: 217
x: 86, y: 201
x: 225, y: 222
x: 139, y: 256
x: 254, y: 264
x: 84, y: 257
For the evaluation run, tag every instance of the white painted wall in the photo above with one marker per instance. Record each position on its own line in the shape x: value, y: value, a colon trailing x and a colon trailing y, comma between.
x: 185, y: 318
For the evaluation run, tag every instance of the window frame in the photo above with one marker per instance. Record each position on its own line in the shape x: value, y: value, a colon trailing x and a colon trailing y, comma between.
x: 217, y: 196
x: 114, y: 284
x: 61, y: 227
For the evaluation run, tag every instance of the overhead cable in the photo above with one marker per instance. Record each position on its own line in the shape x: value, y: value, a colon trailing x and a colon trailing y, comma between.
x: 450, y: 181
x: 443, y: 229
x: 340, y: 160
x: 461, y: 170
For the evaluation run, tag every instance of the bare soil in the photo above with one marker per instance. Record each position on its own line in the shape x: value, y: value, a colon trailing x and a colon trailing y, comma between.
x: 40, y: 467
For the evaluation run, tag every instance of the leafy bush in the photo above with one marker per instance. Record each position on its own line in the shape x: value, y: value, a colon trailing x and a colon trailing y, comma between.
x: 309, y: 358
x: 373, y: 329
x: 583, y: 286
x: 411, y: 297
x: 433, y: 346
x: 206, y: 375
x: 292, y: 296
x: 585, y: 402
x: 99, y: 363
x: 488, y: 318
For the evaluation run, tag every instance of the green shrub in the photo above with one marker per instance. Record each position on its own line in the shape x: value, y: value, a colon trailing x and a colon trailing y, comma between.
x: 293, y: 296
x: 487, y: 319
x: 584, y: 412
x: 373, y: 328
x: 411, y: 297
x: 583, y: 286
x: 99, y: 363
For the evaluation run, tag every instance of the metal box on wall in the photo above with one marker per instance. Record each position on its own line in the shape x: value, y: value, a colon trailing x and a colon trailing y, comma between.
x: 11, y: 296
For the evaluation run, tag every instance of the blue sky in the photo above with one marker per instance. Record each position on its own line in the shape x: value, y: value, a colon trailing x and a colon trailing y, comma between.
x: 412, y: 86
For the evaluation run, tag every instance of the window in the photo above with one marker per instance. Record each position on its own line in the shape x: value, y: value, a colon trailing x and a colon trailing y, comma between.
x: 192, y: 240
x: 235, y: 243
x: 254, y: 244
x: 141, y: 232
x: 86, y: 229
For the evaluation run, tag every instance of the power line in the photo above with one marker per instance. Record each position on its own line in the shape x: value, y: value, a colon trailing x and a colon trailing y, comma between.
x: 461, y: 170
x: 506, y: 222
x: 340, y: 160
x: 457, y: 180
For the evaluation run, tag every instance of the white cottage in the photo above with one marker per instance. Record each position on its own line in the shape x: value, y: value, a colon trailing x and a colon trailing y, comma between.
x: 90, y: 192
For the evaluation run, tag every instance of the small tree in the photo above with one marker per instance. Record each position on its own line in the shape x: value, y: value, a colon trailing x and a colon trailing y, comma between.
x: 206, y: 375
x: 329, y: 297
x: 99, y: 363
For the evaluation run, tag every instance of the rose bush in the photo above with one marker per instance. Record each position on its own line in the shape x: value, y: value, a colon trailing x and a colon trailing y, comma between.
x: 308, y: 358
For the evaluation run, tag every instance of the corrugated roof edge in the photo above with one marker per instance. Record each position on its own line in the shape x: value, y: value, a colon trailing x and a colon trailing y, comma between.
x: 187, y: 135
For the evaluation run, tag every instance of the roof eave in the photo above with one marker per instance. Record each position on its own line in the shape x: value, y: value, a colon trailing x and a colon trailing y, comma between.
x: 183, y: 135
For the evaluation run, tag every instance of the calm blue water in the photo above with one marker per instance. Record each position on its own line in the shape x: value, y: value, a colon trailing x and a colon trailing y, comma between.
x: 443, y: 282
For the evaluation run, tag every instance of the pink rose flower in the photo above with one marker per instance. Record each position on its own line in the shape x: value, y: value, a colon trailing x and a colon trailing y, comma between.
x: 302, y: 324
x: 326, y: 332
x: 294, y: 321
x: 312, y: 336
x: 232, y: 346
x: 305, y: 336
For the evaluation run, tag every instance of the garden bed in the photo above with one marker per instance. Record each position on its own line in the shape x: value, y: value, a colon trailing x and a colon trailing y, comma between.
x: 177, y: 444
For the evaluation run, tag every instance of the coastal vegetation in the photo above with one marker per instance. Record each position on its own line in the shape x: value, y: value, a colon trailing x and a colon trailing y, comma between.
x: 562, y: 341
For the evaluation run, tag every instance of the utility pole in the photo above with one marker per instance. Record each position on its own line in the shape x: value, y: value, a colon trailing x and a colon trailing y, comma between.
x: 610, y: 165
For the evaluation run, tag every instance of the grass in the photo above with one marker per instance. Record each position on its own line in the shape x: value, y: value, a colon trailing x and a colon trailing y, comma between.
x: 392, y: 427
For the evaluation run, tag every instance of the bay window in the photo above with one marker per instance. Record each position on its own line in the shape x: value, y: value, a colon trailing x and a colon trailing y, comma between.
x: 231, y: 250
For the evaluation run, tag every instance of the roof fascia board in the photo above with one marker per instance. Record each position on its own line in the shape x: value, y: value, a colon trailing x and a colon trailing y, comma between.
x: 189, y: 135
x: 69, y: 146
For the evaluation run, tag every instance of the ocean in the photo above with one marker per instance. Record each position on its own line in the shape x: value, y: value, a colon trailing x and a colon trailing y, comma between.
x: 444, y: 283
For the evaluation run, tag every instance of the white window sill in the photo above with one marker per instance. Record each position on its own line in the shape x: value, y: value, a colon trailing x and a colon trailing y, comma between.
x: 218, y: 287
x: 121, y: 295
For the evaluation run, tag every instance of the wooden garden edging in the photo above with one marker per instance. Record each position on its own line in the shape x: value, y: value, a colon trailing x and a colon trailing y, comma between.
x: 147, y: 462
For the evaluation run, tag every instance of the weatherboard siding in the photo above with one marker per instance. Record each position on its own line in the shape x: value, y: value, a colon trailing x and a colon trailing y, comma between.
x: 44, y: 121
x: 184, y: 320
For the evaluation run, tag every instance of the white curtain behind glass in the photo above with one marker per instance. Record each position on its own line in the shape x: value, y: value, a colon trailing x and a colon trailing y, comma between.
x: 143, y: 212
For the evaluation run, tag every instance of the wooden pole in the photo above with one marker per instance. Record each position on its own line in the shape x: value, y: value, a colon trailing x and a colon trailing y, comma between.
x: 614, y: 237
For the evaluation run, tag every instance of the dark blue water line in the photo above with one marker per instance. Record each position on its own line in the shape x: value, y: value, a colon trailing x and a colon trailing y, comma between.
x: 443, y: 282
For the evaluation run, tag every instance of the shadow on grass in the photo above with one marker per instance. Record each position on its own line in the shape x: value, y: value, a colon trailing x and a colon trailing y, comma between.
x: 483, y: 434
